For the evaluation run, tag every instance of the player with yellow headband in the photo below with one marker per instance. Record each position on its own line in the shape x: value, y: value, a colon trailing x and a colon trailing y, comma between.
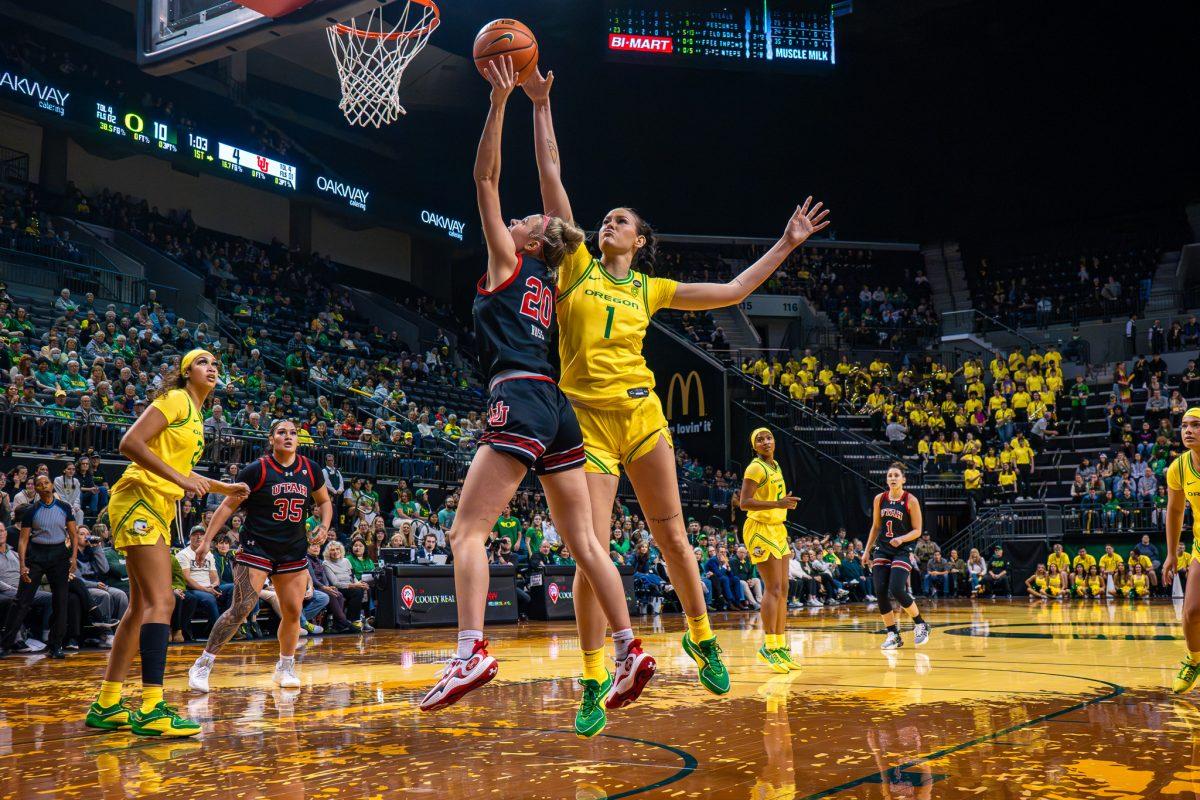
x: 765, y: 499
x: 1183, y: 488
x: 164, y: 444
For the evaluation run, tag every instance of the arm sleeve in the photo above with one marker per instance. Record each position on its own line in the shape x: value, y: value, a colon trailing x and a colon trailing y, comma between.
x: 661, y: 292
x: 173, y: 405
x: 573, y: 266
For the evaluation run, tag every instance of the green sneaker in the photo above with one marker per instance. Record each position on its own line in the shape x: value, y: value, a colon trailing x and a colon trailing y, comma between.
x: 162, y: 720
x: 590, y: 718
x: 771, y: 659
x: 108, y: 719
x: 1187, y: 677
x: 707, y: 655
x: 785, y: 655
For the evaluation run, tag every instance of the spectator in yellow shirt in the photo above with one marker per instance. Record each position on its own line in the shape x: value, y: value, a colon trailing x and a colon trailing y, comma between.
x: 1087, y: 559
x: 1059, y: 559
x: 1109, y: 561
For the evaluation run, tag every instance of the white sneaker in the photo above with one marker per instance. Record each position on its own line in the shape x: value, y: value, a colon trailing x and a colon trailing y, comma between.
x: 921, y: 634
x: 870, y: 598
x: 286, y: 677
x: 815, y: 603
x: 892, y: 642
x: 303, y: 632
x: 198, y: 676
x: 460, y: 676
x: 632, y: 676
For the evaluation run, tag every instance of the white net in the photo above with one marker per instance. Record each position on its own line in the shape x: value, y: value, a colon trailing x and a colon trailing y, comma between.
x: 372, y: 54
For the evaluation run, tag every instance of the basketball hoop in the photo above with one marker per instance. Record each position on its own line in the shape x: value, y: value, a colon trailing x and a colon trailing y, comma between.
x: 371, y: 57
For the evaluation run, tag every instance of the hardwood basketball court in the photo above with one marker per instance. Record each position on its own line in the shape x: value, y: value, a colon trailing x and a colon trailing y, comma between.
x: 1008, y: 699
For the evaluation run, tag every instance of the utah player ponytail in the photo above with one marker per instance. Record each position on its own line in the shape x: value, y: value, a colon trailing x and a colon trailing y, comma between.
x: 559, y: 238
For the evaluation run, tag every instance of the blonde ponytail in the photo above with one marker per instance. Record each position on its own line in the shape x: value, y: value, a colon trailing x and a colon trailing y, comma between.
x: 559, y: 238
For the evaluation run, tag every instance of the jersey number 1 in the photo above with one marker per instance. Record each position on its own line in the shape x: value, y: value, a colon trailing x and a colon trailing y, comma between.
x: 288, y: 510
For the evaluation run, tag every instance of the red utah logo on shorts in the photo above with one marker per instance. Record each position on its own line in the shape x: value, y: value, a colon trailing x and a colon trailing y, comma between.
x: 407, y: 596
x: 552, y: 590
x: 498, y: 414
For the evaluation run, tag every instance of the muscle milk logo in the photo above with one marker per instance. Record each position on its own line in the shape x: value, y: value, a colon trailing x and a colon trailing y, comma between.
x: 48, y: 97
x: 353, y: 195
x: 450, y: 226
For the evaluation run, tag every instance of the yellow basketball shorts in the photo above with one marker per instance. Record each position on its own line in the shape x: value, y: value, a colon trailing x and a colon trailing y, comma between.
x: 138, y: 515
x: 764, y: 540
x: 612, y: 437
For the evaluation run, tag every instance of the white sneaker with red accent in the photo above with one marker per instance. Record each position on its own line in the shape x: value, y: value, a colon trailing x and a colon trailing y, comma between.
x: 632, y: 676
x: 461, y: 676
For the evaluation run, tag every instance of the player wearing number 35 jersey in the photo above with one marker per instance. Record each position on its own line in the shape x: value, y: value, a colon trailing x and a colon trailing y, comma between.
x: 274, y: 544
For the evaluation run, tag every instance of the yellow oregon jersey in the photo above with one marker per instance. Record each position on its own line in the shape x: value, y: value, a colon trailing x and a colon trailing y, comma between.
x: 601, y: 324
x: 770, y: 487
x: 1183, y: 477
x: 180, y: 444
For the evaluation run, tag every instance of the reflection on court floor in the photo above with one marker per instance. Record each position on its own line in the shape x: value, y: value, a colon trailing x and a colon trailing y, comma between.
x: 1008, y: 699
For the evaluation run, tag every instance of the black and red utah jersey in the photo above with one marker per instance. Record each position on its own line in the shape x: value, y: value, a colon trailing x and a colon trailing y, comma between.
x: 279, y: 497
x: 513, y: 321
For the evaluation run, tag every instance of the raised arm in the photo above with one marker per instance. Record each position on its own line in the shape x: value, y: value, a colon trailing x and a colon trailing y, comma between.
x: 702, y: 296
x: 502, y: 258
x: 545, y: 146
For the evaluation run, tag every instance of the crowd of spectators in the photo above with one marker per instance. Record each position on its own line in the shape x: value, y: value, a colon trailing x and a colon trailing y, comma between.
x: 1044, y: 288
x: 24, y: 227
x: 877, y: 299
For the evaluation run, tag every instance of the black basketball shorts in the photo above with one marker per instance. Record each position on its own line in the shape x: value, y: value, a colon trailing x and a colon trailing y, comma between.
x: 530, y: 418
x: 273, y: 558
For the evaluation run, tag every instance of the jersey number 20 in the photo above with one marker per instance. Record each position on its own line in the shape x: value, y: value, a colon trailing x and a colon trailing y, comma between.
x: 288, y: 509
x: 538, y: 302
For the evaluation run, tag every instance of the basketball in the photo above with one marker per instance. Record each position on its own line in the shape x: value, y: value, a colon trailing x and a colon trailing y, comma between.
x: 506, y: 37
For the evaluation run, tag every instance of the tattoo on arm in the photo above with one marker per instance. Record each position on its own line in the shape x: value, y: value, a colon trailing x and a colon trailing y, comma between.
x: 553, y: 149
x: 227, y: 624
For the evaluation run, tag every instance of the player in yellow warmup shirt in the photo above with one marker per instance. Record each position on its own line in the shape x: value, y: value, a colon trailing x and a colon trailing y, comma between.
x: 164, y: 444
x: 604, y: 308
x: 765, y: 499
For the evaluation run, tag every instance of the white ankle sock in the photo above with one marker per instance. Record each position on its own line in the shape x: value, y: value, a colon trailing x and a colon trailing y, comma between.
x: 206, y: 659
x: 621, y: 639
x: 466, y: 643
x: 286, y: 662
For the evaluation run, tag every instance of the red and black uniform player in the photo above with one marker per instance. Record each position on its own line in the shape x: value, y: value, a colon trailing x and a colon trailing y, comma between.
x: 273, y: 536
x: 530, y: 425
x: 274, y: 544
x: 895, y: 525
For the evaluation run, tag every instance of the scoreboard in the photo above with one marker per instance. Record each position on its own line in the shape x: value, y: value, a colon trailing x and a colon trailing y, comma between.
x: 776, y: 35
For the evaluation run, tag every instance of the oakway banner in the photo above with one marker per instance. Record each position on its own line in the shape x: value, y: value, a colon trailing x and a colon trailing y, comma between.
x: 693, y: 393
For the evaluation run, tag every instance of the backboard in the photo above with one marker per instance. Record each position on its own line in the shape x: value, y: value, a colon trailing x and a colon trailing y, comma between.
x: 175, y: 35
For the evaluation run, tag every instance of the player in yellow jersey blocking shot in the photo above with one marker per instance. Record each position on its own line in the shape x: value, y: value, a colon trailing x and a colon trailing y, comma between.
x: 1183, y: 489
x: 765, y: 499
x: 164, y: 444
x: 604, y: 308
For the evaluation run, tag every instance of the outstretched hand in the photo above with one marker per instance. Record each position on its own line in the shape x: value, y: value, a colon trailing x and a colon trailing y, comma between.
x: 537, y: 86
x: 805, y: 222
x: 503, y: 78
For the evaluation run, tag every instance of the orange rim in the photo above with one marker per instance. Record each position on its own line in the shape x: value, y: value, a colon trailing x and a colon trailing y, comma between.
x: 437, y: 18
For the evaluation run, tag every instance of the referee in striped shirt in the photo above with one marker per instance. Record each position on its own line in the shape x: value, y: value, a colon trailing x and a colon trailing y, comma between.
x: 48, y: 547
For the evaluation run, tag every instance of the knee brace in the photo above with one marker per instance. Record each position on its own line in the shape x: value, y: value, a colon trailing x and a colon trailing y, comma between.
x: 879, y: 582
x: 898, y: 587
